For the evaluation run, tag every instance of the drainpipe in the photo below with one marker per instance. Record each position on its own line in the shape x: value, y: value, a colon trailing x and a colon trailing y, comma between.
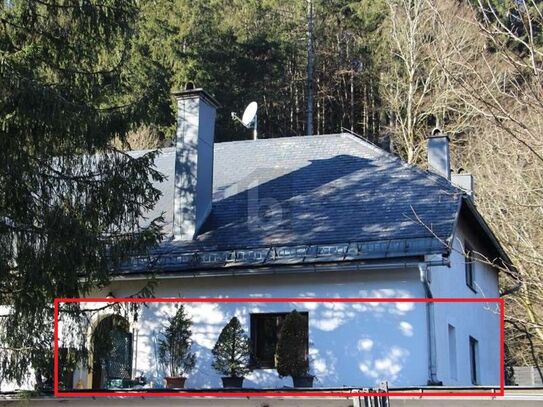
x: 431, y: 329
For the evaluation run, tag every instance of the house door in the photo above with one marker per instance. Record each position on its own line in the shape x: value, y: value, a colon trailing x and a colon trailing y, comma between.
x: 112, y: 353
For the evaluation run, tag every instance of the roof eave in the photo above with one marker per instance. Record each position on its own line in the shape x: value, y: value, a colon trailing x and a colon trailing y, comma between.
x: 298, y: 268
x: 172, y: 259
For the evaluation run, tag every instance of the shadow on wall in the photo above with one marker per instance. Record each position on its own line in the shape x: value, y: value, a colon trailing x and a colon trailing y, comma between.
x: 207, y: 325
x: 350, y: 344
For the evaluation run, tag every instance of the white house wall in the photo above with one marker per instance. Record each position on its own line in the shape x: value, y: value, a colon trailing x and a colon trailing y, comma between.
x: 481, y: 322
x: 451, y: 281
x: 350, y: 344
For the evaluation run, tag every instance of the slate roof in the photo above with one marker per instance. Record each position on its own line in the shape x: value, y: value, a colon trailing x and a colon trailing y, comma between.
x: 314, y: 190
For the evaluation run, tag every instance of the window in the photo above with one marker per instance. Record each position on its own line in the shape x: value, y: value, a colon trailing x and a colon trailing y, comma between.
x: 265, y: 330
x: 470, y: 267
x: 474, y: 359
x: 453, y: 370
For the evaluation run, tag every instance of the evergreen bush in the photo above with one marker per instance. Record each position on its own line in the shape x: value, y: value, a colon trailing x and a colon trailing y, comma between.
x: 231, y: 353
x: 174, y: 348
x: 291, y: 355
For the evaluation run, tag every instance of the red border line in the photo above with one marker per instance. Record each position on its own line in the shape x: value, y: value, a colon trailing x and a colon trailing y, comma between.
x: 502, y: 344
x: 418, y: 394
x: 55, y: 357
x: 279, y: 299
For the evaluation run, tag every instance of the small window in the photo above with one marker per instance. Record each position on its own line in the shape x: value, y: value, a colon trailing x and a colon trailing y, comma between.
x: 453, y: 369
x: 265, y: 330
x: 470, y: 268
x: 474, y: 359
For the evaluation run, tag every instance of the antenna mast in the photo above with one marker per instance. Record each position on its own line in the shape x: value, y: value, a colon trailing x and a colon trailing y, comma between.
x: 255, y: 130
x: 310, y: 69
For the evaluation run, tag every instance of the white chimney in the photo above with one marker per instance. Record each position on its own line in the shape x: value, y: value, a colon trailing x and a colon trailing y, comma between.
x: 196, y: 111
x: 439, y: 160
x: 464, y: 182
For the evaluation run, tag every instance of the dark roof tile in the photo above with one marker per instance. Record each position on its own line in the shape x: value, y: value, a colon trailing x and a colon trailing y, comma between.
x: 313, y: 190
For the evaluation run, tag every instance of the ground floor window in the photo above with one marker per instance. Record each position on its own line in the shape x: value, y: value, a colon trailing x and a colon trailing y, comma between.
x: 265, y: 332
x: 474, y: 359
x: 452, y: 353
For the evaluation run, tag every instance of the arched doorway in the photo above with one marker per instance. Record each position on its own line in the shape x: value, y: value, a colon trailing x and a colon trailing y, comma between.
x: 111, y: 353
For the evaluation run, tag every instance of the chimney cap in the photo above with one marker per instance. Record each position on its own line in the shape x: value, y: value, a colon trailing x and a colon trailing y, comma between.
x: 436, y: 133
x: 189, y: 93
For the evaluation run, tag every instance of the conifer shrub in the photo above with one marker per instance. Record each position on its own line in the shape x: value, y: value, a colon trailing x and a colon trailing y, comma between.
x: 291, y: 355
x: 231, y: 353
x: 174, y: 348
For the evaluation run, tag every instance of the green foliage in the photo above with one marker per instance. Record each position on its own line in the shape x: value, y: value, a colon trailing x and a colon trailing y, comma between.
x: 73, y: 78
x: 292, y: 359
x: 174, y: 348
x: 256, y: 50
x: 231, y: 353
x: 522, y: 19
x: 508, y: 367
x: 68, y: 360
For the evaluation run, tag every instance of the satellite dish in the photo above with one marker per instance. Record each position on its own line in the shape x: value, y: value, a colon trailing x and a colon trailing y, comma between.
x: 249, y: 118
x: 249, y: 114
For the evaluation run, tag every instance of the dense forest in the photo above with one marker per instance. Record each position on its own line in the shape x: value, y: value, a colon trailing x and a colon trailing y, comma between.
x: 87, y: 76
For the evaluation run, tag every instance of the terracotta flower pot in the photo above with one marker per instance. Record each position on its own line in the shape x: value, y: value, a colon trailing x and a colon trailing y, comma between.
x: 302, y: 381
x: 232, y: 382
x: 175, y: 382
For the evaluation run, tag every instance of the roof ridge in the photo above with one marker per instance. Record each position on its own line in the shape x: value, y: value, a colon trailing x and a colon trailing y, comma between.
x: 277, y: 139
x: 382, y: 153
x: 438, y: 179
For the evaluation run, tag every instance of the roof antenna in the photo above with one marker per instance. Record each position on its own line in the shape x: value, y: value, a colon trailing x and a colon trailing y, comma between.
x: 249, y: 118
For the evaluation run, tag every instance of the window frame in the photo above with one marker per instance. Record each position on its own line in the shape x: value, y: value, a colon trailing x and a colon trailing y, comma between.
x: 255, y: 363
x: 474, y: 360
x: 469, y: 267
x: 453, y: 353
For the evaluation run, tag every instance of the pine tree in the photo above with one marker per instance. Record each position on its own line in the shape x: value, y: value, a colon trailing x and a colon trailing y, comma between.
x: 231, y: 353
x: 71, y: 205
x: 292, y: 358
x: 174, y: 349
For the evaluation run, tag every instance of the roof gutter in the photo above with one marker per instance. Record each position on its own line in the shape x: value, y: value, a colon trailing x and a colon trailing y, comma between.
x: 408, y: 263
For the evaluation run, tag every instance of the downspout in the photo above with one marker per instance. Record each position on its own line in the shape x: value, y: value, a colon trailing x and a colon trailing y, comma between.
x: 430, y: 328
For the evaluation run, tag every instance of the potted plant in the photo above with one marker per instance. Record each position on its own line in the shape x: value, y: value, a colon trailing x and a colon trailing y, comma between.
x: 291, y: 354
x: 231, y: 354
x: 174, y: 349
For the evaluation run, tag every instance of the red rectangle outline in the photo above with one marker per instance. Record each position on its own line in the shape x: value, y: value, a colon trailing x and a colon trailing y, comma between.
x: 417, y: 394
